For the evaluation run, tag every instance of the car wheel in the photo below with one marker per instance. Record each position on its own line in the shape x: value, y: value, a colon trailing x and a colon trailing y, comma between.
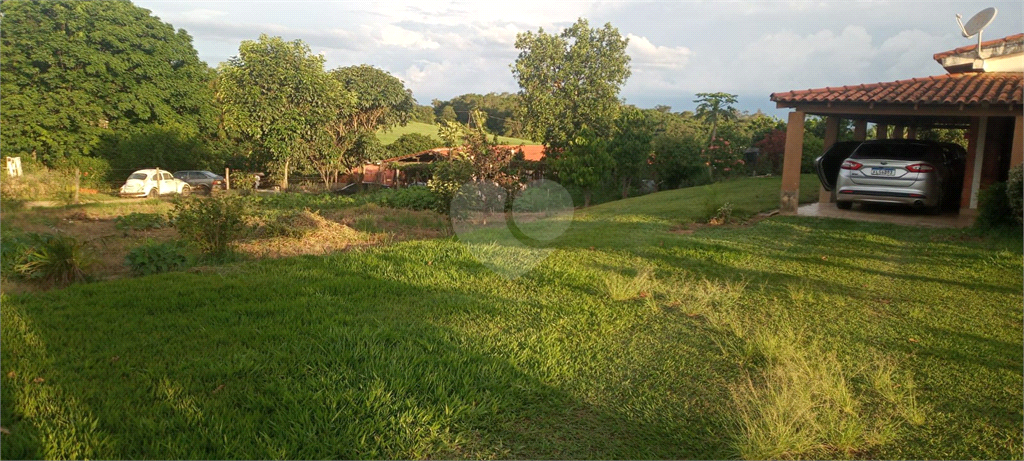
x: 844, y: 205
x: 186, y: 190
x: 152, y: 193
x: 204, y: 189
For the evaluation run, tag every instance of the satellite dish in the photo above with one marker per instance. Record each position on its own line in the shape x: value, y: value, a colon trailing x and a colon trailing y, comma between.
x: 976, y: 24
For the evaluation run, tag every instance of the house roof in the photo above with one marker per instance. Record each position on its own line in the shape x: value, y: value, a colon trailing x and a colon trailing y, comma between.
x: 969, y: 48
x: 944, y: 90
x: 532, y: 152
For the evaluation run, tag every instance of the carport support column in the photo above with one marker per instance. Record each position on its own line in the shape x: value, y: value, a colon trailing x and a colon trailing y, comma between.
x: 860, y: 130
x: 1017, y: 152
x: 974, y: 164
x: 790, y: 196
x: 831, y: 136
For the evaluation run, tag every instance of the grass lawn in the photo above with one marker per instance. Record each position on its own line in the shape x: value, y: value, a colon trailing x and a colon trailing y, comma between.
x: 388, y: 137
x: 644, y: 334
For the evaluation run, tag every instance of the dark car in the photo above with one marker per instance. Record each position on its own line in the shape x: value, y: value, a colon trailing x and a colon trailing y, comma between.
x: 201, y: 180
x: 924, y: 174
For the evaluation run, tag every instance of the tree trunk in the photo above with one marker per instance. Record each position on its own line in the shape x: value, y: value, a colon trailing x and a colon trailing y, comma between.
x: 284, y: 177
x: 625, y: 187
x: 586, y: 197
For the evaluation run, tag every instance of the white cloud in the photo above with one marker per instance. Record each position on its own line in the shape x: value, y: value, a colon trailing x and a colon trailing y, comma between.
x: 645, y: 54
x: 396, y: 36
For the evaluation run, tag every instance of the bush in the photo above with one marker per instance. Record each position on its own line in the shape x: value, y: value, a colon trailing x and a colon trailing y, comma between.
x: 994, y: 208
x: 141, y: 221
x: 242, y: 181
x: 1015, y: 192
x: 48, y: 258
x: 448, y: 178
x: 211, y: 223
x: 154, y: 258
x: 412, y: 198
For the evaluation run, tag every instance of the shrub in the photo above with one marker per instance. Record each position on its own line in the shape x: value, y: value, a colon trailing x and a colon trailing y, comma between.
x: 211, y: 223
x: 1015, y: 192
x: 154, y: 258
x: 412, y: 198
x: 994, y: 208
x: 448, y: 178
x: 141, y: 221
x: 48, y: 258
x: 243, y: 182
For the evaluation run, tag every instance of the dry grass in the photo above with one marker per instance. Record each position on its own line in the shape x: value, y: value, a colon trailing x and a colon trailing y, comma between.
x: 319, y: 236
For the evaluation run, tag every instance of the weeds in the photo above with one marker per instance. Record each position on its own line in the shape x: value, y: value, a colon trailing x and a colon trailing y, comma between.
x: 141, y: 221
x: 156, y: 257
x: 50, y: 259
x: 211, y: 223
x: 620, y: 288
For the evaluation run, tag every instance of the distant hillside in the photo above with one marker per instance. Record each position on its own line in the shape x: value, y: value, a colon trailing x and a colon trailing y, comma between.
x: 431, y: 130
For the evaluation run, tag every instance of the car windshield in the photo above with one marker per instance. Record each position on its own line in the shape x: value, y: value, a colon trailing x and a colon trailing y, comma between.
x: 138, y: 176
x: 892, y: 151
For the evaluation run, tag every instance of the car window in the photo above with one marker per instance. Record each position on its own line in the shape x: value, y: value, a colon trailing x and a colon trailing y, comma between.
x: 901, y: 151
x: 166, y: 176
x: 182, y: 175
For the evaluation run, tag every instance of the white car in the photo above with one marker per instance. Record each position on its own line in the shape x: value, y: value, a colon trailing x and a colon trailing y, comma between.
x: 154, y: 183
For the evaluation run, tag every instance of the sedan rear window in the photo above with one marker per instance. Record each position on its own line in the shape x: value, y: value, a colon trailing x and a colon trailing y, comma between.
x: 892, y: 151
x: 138, y: 176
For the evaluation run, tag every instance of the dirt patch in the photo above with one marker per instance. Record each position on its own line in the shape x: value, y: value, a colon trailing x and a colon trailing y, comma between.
x: 690, y: 228
x: 320, y: 236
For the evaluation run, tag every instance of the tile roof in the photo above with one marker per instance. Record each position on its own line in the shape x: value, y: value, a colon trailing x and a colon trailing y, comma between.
x: 530, y: 152
x: 968, y: 48
x: 948, y: 89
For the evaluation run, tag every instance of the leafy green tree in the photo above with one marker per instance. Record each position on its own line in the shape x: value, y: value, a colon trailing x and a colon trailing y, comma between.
x: 570, y: 82
x: 75, y: 71
x: 411, y: 143
x: 585, y: 163
x: 377, y: 101
x: 631, y: 147
x: 276, y: 93
x: 713, y: 108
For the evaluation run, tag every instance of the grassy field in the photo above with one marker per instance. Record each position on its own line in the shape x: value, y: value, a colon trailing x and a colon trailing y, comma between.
x: 388, y: 137
x: 644, y: 334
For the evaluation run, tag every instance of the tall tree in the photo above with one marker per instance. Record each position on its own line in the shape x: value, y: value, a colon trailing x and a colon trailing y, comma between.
x: 631, y: 147
x: 377, y: 101
x: 276, y: 93
x: 713, y: 108
x: 570, y: 82
x: 585, y: 163
x: 76, y: 71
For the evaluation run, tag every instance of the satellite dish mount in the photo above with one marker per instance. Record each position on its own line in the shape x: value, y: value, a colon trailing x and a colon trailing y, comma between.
x: 976, y: 24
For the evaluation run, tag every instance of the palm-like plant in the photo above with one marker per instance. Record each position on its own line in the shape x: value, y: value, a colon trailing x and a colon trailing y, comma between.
x: 713, y: 107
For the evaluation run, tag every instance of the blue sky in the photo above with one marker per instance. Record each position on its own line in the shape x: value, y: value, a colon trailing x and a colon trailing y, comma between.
x: 444, y: 49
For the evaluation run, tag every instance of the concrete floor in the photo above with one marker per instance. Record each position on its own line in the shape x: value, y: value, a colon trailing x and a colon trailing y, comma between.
x: 889, y: 214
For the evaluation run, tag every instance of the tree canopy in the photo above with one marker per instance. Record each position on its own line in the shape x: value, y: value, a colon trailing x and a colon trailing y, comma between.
x: 75, y: 71
x: 713, y: 108
x: 570, y: 82
x: 276, y: 93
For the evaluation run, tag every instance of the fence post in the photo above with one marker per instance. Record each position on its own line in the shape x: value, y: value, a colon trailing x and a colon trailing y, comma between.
x: 78, y: 184
x: 227, y: 178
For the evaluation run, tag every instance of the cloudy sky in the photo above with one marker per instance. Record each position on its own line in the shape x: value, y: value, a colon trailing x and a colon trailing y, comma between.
x: 678, y: 48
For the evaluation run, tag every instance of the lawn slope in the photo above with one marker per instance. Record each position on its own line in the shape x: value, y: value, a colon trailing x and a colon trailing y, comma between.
x: 641, y: 335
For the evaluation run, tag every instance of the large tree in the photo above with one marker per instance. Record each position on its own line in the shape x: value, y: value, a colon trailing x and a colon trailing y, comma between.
x: 76, y: 71
x: 377, y: 101
x: 277, y: 94
x: 570, y: 82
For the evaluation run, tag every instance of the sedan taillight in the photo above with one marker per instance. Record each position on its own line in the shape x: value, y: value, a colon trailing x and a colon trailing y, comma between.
x: 920, y: 168
x: 850, y: 165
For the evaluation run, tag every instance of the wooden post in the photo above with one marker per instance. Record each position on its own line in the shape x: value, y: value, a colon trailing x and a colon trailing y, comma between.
x: 790, y: 195
x: 1017, y: 151
x: 860, y: 130
x: 78, y: 184
x: 881, y: 131
x: 227, y: 178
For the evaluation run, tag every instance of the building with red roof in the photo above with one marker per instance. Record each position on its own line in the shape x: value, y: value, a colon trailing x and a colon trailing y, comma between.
x: 981, y: 92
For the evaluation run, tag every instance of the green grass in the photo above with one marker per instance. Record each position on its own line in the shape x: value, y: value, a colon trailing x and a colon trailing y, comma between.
x: 793, y: 337
x: 426, y: 129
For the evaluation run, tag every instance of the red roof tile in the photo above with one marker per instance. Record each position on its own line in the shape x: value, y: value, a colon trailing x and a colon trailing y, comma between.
x: 948, y: 89
x: 965, y: 49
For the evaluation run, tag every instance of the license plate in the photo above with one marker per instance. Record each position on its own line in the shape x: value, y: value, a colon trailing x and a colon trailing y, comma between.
x: 883, y: 172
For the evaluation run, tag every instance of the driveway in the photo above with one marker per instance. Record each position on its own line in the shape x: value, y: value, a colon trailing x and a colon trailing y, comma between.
x: 888, y: 214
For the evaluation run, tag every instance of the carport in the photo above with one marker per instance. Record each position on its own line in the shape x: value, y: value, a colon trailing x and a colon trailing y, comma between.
x: 981, y: 95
